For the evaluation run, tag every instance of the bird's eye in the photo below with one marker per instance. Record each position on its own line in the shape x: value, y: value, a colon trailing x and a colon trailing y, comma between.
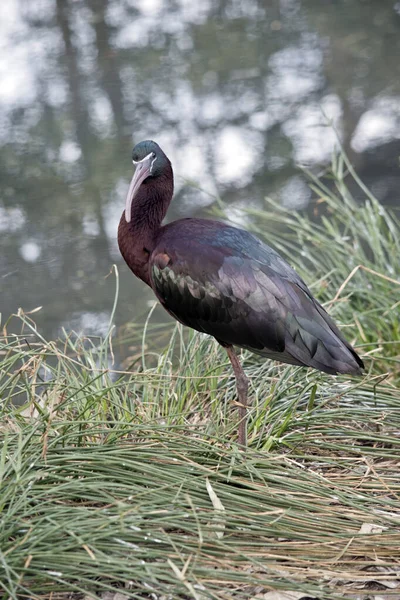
x: 153, y: 155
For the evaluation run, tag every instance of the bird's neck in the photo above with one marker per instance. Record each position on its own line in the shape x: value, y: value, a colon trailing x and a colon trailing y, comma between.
x: 150, y: 205
x: 137, y: 238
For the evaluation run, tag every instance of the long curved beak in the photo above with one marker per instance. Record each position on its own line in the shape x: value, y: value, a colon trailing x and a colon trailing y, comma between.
x: 143, y: 170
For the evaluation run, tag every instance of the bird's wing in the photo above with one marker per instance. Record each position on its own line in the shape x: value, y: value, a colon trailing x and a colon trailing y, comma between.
x: 250, y: 298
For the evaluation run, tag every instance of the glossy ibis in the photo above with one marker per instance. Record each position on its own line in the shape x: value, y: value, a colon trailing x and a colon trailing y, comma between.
x: 224, y: 281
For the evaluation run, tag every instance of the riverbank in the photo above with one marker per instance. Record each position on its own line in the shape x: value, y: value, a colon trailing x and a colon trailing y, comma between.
x: 130, y: 480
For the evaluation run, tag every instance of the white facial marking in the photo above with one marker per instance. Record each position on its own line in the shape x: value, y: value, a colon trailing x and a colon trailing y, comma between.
x: 137, y: 162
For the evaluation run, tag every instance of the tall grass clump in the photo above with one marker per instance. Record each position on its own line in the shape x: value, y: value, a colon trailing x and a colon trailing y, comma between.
x: 130, y: 479
x: 350, y: 249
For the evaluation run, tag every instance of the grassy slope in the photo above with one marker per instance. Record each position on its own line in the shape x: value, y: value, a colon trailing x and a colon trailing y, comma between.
x: 134, y: 479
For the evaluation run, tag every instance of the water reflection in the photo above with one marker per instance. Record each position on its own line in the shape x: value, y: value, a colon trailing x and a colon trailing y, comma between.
x: 235, y: 91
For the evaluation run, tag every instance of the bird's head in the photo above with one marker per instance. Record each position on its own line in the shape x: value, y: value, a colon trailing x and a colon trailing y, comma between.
x: 150, y: 162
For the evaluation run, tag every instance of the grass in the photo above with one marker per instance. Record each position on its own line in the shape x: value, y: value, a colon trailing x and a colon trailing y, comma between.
x: 132, y: 480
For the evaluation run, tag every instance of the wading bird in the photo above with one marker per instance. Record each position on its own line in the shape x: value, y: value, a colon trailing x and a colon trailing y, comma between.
x: 224, y: 281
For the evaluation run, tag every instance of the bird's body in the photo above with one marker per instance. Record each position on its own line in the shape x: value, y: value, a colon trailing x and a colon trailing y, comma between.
x: 224, y: 281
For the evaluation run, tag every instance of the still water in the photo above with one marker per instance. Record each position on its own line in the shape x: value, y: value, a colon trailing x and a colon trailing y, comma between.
x: 237, y: 93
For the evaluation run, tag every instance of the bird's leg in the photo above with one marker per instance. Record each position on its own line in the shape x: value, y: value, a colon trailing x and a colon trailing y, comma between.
x: 242, y: 386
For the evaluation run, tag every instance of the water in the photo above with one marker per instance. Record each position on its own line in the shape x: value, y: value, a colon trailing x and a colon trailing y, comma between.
x: 234, y: 91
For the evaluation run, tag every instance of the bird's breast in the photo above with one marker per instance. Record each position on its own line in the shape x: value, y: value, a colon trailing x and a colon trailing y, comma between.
x: 135, y: 250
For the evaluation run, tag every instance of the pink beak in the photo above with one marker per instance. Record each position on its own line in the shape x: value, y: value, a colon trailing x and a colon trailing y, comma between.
x: 142, y: 171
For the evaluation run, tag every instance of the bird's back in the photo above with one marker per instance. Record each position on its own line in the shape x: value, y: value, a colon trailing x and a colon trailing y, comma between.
x: 225, y: 282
